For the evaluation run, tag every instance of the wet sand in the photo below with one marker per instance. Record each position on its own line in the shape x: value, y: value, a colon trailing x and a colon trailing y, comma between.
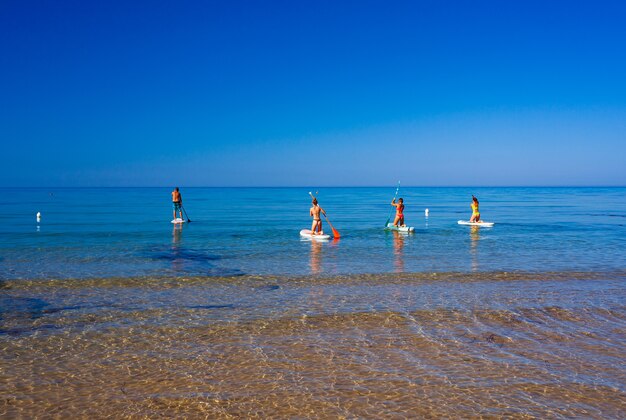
x: 543, y: 345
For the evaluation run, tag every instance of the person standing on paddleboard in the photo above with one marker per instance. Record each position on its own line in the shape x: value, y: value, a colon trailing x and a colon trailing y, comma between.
x: 177, y: 202
x: 399, y: 220
x: 475, y: 213
x: 316, y: 227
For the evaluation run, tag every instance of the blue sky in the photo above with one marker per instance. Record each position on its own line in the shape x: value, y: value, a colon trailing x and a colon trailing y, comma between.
x: 122, y: 93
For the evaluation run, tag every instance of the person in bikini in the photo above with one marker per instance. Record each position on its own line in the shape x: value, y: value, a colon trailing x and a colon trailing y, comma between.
x: 399, y: 220
x: 316, y: 227
x: 177, y: 202
x: 475, y: 213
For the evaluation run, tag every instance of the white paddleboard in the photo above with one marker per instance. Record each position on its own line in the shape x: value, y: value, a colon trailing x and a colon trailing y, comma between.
x: 466, y: 222
x: 390, y: 226
x: 178, y: 220
x: 306, y: 233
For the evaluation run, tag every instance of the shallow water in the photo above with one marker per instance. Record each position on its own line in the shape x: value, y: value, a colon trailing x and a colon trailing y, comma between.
x: 447, y: 344
x: 104, y: 232
x: 106, y: 309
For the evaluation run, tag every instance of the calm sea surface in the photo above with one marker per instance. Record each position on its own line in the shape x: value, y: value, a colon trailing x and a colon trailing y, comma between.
x: 127, y: 232
x: 108, y: 310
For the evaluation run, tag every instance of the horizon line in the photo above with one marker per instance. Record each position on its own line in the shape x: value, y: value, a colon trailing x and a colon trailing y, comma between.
x: 316, y: 187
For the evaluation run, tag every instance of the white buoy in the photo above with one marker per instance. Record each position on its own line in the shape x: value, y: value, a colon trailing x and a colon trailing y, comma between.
x: 426, y: 212
x: 39, y: 216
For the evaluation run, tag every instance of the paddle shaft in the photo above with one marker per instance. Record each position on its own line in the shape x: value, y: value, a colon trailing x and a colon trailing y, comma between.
x: 188, y: 219
x: 394, y: 199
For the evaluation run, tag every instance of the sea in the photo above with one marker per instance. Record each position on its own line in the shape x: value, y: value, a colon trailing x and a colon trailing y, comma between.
x: 109, y: 309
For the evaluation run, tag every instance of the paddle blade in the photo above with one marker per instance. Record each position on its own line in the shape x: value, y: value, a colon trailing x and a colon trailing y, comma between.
x: 335, y: 232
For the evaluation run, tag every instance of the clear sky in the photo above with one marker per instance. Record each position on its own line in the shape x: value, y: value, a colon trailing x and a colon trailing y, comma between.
x: 312, y: 93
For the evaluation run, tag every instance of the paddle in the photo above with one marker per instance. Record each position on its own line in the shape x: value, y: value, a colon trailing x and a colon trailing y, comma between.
x: 188, y: 220
x: 335, y: 232
x: 394, y: 199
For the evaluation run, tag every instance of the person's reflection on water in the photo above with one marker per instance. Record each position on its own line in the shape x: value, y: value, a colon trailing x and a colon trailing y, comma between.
x: 177, y: 258
x: 316, y: 257
x: 398, y: 252
x: 474, y: 238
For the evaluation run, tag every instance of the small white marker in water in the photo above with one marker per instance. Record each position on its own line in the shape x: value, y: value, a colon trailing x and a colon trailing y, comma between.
x: 426, y: 212
x: 39, y: 216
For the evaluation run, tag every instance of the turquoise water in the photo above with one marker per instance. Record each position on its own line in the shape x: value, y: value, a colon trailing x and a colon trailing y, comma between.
x: 110, y: 232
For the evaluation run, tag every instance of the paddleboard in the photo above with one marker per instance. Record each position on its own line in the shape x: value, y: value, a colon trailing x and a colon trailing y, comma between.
x: 390, y: 226
x: 306, y: 233
x: 178, y: 220
x: 485, y: 224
